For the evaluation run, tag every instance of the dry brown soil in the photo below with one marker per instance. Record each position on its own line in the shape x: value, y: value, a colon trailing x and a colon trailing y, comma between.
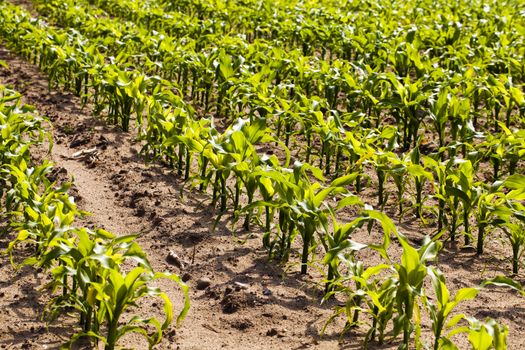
x: 251, y: 303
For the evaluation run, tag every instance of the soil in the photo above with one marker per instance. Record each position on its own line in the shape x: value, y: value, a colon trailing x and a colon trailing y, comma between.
x: 239, y: 299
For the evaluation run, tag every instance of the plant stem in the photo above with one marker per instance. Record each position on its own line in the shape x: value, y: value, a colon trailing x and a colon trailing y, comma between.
x: 481, y: 237
x: 306, y: 246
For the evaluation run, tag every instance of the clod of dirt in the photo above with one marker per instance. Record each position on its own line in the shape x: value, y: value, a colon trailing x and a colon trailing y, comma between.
x: 67, y: 129
x: 102, y: 142
x: 78, y: 140
x: 171, y: 334
x: 116, y: 178
x: 175, y: 260
x: 272, y: 332
x: 213, y: 293
x: 230, y: 305
x: 140, y: 212
x: 75, y: 193
x: 241, y: 324
x: 58, y: 173
x: 157, y: 221
x: 203, y: 283
x: 186, y: 277
x: 234, y: 301
x: 136, y: 196
x: 132, y: 204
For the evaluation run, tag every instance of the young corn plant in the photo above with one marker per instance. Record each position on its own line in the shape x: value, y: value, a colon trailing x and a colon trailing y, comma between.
x: 344, y: 270
x: 440, y: 310
x: 511, y: 216
x: 365, y: 293
x: 119, y: 291
x: 418, y: 172
x: 515, y: 232
x: 482, y: 335
x: 340, y: 241
x: 490, y: 206
x: 462, y: 188
x: 411, y: 274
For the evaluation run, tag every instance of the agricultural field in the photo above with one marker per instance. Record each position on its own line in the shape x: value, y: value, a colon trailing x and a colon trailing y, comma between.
x: 256, y: 174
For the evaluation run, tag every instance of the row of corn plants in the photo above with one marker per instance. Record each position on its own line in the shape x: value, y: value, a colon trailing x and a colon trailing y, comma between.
x: 444, y: 111
x: 87, y: 277
x: 203, y: 71
x: 444, y: 108
x: 447, y: 212
x: 85, y: 263
x: 288, y: 202
x: 390, y: 299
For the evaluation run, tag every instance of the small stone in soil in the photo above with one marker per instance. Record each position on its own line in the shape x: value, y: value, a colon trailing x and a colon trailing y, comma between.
x: 186, y: 277
x: 203, y: 283
x: 175, y: 260
x: 239, y: 286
